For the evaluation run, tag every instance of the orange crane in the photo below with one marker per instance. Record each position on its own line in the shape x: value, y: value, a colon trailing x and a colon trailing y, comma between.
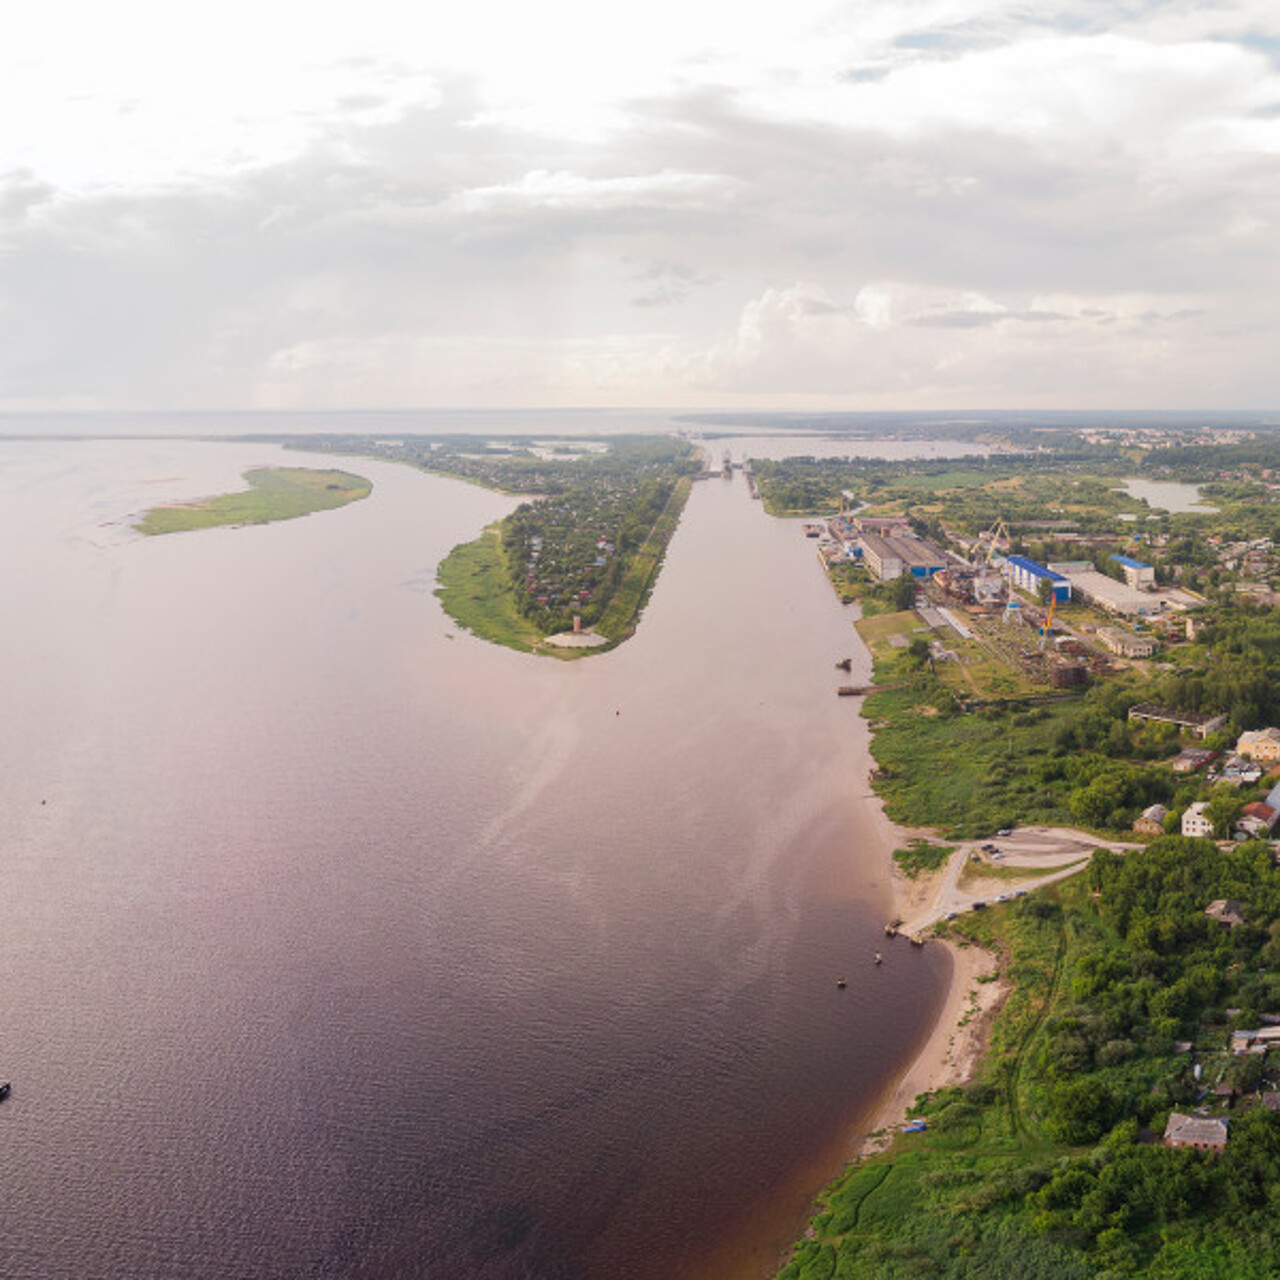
x: 1048, y: 621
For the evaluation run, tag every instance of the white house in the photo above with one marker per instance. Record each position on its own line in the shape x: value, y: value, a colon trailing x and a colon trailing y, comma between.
x: 1194, y: 822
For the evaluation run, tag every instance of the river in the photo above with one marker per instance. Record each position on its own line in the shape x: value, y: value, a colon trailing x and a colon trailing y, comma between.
x: 338, y: 943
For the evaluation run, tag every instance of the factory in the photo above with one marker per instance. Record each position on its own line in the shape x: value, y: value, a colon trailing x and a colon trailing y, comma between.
x: 1137, y: 576
x: 1027, y: 575
x: 889, y: 556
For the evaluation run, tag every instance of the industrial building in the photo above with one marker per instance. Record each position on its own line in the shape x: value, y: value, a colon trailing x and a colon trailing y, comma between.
x: 1125, y: 643
x: 1027, y: 575
x: 1136, y: 574
x: 890, y: 556
x: 1125, y: 599
x: 1201, y: 724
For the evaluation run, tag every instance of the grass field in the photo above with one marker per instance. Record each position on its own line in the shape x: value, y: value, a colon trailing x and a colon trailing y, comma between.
x: 274, y: 493
x: 967, y: 775
x: 475, y: 591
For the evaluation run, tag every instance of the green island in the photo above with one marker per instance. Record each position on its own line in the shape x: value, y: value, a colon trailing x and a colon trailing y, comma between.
x: 569, y: 571
x: 1124, y: 1118
x: 274, y: 493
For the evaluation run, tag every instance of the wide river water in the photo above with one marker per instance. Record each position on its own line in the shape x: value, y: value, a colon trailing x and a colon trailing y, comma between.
x: 337, y: 943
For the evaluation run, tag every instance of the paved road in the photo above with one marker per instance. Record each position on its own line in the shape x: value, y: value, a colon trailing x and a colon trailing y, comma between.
x: 1031, y: 847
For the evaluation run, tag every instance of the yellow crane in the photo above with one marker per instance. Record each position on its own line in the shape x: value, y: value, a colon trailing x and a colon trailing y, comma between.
x: 998, y: 533
x: 1048, y: 621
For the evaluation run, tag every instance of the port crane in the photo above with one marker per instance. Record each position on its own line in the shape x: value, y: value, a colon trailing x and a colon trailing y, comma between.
x: 993, y: 537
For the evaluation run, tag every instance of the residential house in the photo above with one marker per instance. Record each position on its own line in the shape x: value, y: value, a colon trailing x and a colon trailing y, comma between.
x: 1260, y: 744
x: 1152, y: 820
x: 1203, y: 1133
x: 1226, y: 911
x: 1195, y: 822
x: 1239, y: 771
x: 1191, y: 759
x: 1257, y: 820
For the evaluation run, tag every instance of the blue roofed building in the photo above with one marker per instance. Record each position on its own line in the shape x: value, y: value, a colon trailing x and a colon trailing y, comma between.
x: 1028, y: 575
x: 1136, y: 574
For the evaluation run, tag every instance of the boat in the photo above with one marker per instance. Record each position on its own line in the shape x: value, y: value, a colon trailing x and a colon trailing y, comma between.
x: 845, y: 664
x: 879, y: 958
x: 841, y: 983
x: 4, y: 1090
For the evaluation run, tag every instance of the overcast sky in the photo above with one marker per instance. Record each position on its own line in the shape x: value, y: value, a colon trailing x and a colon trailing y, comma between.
x: 406, y: 203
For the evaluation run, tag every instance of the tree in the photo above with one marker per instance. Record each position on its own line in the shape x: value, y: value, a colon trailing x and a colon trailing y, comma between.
x: 1223, y: 810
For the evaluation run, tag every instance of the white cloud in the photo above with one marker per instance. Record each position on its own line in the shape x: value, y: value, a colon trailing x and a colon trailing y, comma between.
x: 571, y: 192
x: 405, y: 204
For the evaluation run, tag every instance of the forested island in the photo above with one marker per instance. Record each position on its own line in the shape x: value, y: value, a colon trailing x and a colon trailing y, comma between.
x: 580, y: 556
x: 1064, y: 653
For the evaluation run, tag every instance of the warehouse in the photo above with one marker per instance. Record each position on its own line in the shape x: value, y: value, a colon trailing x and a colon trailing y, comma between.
x: 1027, y: 575
x: 892, y: 556
x: 1136, y: 574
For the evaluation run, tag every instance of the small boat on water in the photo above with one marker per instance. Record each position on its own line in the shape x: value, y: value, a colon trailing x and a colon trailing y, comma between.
x: 4, y: 1090
x: 879, y: 958
x: 841, y: 983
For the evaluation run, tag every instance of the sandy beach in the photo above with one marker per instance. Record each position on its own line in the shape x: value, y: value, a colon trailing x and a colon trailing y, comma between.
x: 951, y: 1053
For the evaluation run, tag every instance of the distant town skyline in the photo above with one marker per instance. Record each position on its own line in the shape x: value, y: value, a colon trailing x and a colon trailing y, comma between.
x: 939, y: 204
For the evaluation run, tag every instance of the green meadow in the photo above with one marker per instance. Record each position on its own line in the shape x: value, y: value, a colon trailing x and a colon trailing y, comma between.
x: 274, y: 493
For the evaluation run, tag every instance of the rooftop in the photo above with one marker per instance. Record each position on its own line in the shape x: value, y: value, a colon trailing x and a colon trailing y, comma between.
x: 1039, y: 570
x: 1208, y: 1131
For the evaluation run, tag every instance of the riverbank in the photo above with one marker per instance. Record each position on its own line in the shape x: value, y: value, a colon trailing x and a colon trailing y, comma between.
x: 951, y: 1054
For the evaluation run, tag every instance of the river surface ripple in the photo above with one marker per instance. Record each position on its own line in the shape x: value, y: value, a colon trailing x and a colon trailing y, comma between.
x: 339, y: 944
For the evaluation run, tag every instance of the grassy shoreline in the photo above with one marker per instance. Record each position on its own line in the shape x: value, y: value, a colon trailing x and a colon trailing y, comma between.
x: 474, y: 589
x: 274, y: 493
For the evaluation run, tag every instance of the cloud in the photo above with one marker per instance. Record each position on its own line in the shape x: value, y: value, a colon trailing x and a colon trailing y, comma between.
x: 669, y: 284
x: 572, y: 192
x: 957, y: 199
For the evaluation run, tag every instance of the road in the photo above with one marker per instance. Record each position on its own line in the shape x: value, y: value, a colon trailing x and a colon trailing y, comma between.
x: 1032, y: 847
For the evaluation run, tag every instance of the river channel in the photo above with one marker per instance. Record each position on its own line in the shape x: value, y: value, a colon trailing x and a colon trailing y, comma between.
x: 337, y: 943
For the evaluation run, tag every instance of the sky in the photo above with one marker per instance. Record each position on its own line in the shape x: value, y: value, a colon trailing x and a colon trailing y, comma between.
x: 889, y: 204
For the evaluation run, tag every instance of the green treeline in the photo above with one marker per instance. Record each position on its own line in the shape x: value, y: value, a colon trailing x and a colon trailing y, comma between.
x: 1049, y: 1164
